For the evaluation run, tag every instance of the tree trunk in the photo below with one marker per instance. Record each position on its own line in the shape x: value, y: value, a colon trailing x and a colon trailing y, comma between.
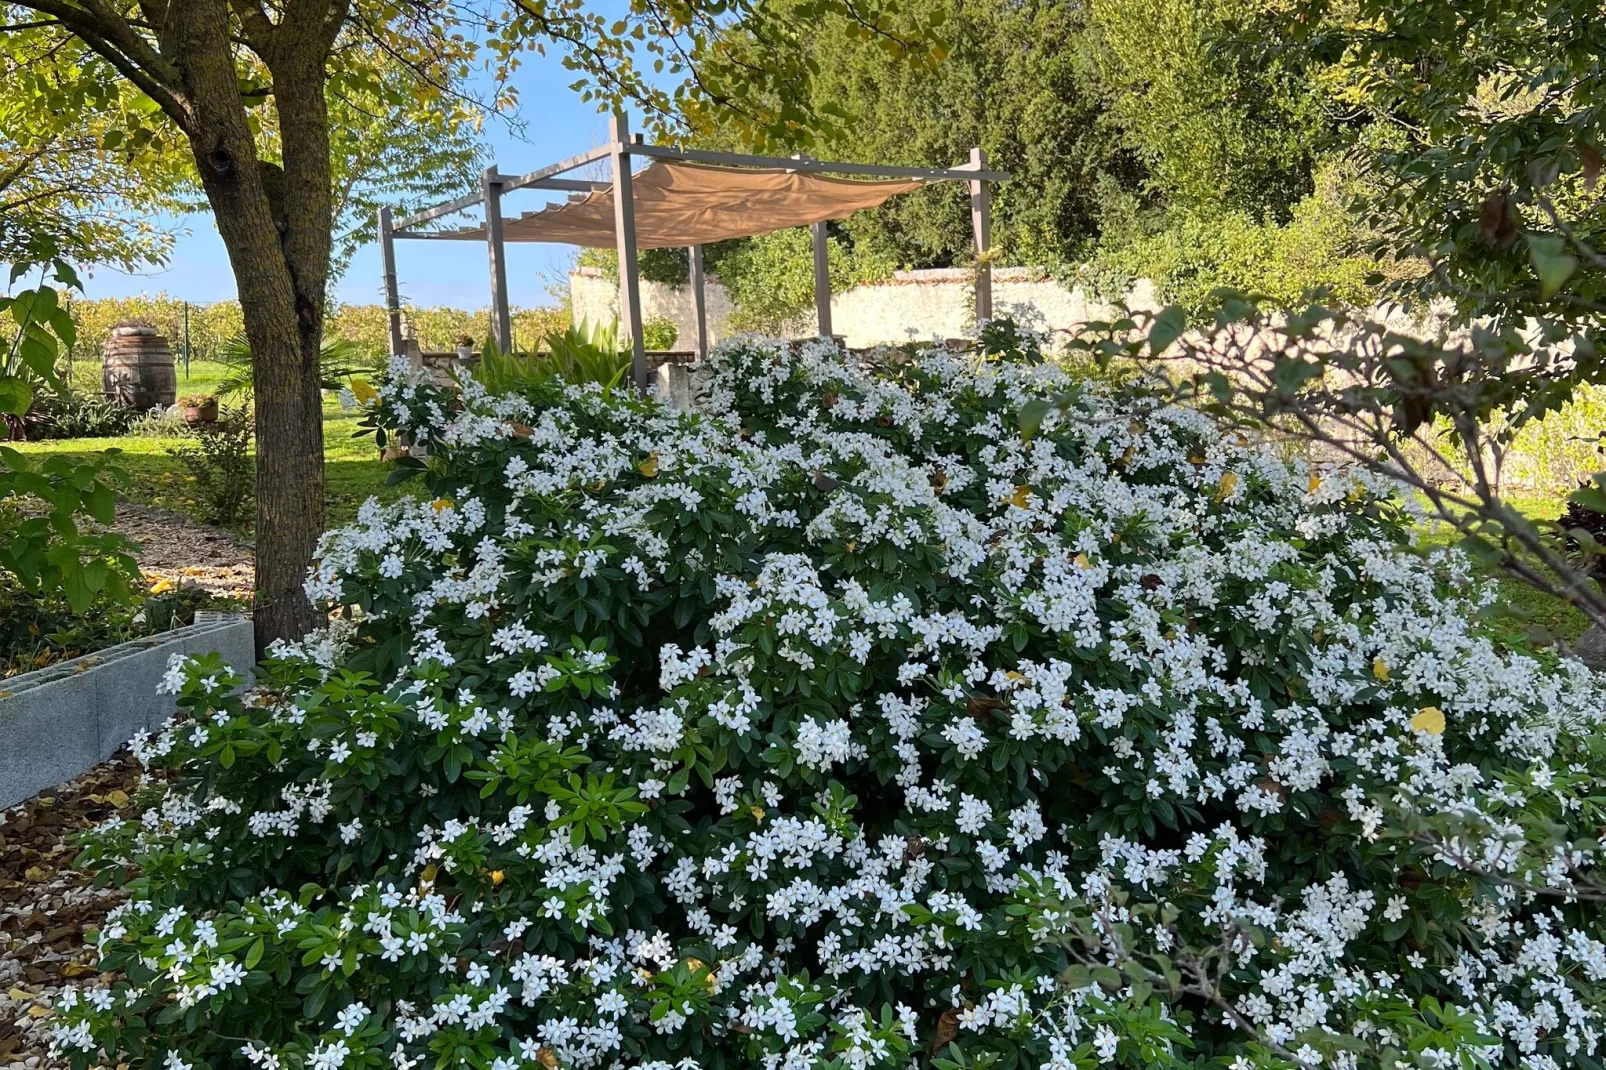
x: 282, y: 304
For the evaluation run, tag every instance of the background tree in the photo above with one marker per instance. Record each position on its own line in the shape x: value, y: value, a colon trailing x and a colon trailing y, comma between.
x: 85, y: 163
x: 215, y: 69
x: 1145, y: 140
x: 1021, y: 80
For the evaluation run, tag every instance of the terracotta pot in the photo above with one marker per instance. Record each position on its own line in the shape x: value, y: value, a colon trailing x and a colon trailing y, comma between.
x: 201, y: 414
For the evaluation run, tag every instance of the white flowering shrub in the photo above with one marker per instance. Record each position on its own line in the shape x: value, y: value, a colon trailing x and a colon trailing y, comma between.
x: 846, y: 726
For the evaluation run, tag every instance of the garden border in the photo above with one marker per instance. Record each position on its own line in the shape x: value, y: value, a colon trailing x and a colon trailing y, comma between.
x: 60, y: 721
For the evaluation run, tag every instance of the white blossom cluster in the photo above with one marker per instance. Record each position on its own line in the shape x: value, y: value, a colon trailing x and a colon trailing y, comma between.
x: 1122, y: 743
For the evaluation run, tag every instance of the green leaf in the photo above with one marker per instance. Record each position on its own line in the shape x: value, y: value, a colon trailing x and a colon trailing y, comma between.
x: 101, y: 502
x: 75, y: 586
x: 16, y: 397
x: 1169, y: 323
x: 1031, y: 417
x: 1551, y: 262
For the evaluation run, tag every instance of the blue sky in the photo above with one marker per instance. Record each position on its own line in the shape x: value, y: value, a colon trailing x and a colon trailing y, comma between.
x: 556, y: 125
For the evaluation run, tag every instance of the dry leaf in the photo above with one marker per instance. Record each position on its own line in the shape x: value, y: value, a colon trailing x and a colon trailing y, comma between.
x: 1497, y: 218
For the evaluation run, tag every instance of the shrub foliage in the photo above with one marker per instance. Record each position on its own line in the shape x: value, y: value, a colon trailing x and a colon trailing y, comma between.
x: 843, y: 725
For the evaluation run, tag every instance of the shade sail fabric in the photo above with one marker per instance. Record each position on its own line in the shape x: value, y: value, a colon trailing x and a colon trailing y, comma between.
x: 679, y: 203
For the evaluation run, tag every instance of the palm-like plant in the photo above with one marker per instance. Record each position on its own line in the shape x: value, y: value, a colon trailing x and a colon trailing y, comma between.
x: 338, y: 360
x: 588, y: 353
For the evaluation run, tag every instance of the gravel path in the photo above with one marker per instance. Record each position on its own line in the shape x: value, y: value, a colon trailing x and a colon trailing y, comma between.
x: 176, y: 548
x: 46, y: 907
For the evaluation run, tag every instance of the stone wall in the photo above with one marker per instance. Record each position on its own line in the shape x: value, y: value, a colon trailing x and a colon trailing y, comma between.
x: 934, y: 303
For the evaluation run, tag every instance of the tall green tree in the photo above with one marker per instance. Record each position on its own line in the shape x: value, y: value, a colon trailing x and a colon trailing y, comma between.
x: 214, y: 68
x: 1021, y: 80
x: 1219, y: 127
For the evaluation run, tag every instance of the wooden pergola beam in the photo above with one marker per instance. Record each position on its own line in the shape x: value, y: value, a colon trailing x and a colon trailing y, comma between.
x: 981, y: 227
x: 699, y: 298
x: 501, y: 311
x: 822, y: 279
x: 624, y: 232
x: 387, y: 254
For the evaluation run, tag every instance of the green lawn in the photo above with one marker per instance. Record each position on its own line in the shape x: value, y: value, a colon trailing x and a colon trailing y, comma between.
x: 353, y: 471
x: 1538, y: 609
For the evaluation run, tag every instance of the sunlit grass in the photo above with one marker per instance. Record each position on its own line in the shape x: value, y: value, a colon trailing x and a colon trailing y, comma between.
x: 1526, y: 602
x: 353, y: 471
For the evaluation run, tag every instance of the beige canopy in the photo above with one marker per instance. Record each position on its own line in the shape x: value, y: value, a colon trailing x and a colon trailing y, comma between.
x: 678, y: 203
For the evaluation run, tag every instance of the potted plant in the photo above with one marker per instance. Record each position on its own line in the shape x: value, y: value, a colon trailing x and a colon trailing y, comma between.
x: 199, y: 409
x: 465, y: 347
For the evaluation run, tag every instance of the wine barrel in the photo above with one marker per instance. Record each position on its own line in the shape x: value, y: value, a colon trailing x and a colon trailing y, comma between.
x: 137, y: 372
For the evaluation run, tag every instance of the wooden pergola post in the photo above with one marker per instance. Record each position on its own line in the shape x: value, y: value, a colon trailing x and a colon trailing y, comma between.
x: 387, y: 254
x: 822, y: 280
x: 699, y: 300
x: 501, y: 313
x: 981, y: 226
x: 624, y: 230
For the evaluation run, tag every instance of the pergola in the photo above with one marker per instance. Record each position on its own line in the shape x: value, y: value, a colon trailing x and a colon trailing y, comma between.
x: 683, y: 198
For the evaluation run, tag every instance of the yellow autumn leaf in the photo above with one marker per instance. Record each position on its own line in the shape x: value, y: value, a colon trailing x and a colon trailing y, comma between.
x: 649, y: 467
x: 1020, y: 497
x: 1228, y: 484
x: 1080, y: 561
x: 440, y: 505
x: 363, y: 392
x: 161, y: 586
x: 117, y: 797
x: 1429, y: 719
x: 1380, y: 669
